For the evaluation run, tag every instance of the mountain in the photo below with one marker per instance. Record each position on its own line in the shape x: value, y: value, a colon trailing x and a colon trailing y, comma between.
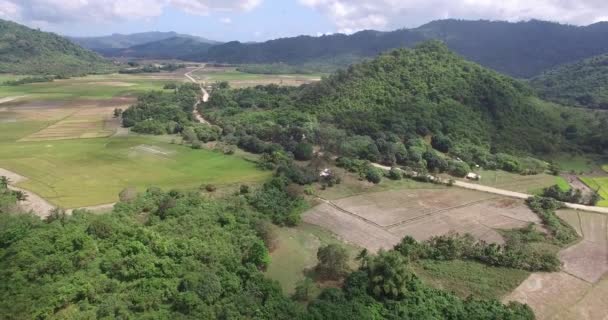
x: 582, y: 84
x: 28, y: 51
x: 375, y: 107
x: 170, y: 48
x: 523, y: 49
x: 430, y: 89
x: 123, y: 41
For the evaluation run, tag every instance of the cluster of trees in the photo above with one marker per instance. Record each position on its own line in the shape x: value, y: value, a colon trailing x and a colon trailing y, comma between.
x: 572, y: 195
x: 159, y: 112
x: 515, y: 253
x: 135, y: 68
x: 283, y: 68
x: 562, y: 233
x: 8, y: 197
x: 27, y: 80
x: 178, y: 255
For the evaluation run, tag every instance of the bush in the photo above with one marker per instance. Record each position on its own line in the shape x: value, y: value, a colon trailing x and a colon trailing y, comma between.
x: 441, y: 143
x: 333, y: 262
x: 373, y: 175
x: 458, y: 168
x: 303, y: 151
x: 210, y: 188
x: 395, y: 174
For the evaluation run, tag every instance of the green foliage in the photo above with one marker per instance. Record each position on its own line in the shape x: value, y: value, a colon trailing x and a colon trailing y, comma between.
x: 158, y: 112
x: 192, y: 259
x: 303, y: 151
x: 516, y: 253
x: 29, y: 51
x: 152, y: 68
x: 276, y: 201
x: 562, y: 233
x: 27, y: 80
x: 578, y: 84
x: 333, y: 262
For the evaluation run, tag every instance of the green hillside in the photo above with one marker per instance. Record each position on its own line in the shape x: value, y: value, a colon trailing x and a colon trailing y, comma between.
x: 522, y: 49
x: 582, y: 84
x: 171, y: 48
x: 28, y: 51
x: 377, y: 109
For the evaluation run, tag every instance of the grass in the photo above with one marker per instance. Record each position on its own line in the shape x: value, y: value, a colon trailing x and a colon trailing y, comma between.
x: 85, y: 172
x: 577, y: 163
x: 352, y: 186
x: 469, y: 278
x: 518, y: 183
x: 297, y: 252
x: 563, y: 184
x: 90, y: 87
x: 601, y: 185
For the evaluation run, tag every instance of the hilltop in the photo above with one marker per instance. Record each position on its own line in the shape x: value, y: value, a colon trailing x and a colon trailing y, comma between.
x: 582, y: 84
x: 170, y: 48
x: 523, y: 49
x: 28, y: 51
x: 124, y: 41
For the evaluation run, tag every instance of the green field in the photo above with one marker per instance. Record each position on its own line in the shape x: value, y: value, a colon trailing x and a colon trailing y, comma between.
x: 601, y: 185
x: 563, y: 184
x: 468, y: 278
x: 84, y: 172
x: 577, y: 163
x: 517, y: 182
x: 297, y: 252
x: 89, y: 87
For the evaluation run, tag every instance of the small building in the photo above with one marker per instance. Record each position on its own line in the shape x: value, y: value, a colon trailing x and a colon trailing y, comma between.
x: 325, y: 173
x: 473, y: 176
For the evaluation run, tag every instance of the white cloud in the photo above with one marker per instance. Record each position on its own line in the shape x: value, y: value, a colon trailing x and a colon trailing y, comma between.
x: 353, y: 15
x: 59, y: 11
x: 226, y: 20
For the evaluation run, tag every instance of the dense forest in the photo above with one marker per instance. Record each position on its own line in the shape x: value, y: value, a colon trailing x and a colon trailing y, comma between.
x: 175, y: 255
x: 163, y: 49
x: 382, y: 110
x: 581, y: 84
x: 523, y: 49
x: 124, y: 41
x: 27, y: 51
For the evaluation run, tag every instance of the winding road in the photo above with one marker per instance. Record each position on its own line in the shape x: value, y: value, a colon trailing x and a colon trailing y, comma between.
x: 204, y: 95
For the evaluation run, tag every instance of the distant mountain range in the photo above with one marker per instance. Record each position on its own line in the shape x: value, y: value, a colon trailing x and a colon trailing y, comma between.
x: 27, y: 51
x: 124, y: 41
x: 523, y: 49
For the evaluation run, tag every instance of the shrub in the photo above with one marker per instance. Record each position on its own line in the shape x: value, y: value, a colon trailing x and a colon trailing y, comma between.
x: 303, y: 151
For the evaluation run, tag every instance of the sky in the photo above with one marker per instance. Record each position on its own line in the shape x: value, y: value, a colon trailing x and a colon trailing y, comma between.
x: 258, y: 20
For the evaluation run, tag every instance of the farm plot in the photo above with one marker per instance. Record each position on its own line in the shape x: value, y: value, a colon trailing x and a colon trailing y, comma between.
x: 601, y: 185
x: 516, y: 182
x: 580, y: 290
x: 239, y: 79
x: 380, y: 220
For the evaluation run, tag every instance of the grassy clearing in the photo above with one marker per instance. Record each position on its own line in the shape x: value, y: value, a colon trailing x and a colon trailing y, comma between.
x: 297, y: 252
x: 516, y: 182
x: 84, y: 172
x: 601, y: 185
x: 579, y: 164
x: 468, y: 278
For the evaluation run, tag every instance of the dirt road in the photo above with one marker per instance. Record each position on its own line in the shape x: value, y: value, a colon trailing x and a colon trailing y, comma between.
x: 507, y: 193
x: 204, y: 96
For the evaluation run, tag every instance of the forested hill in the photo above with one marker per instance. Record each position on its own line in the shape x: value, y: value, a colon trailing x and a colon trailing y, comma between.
x: 582, y: 84
x: 522, y: 50
x: 171, y: 48
x: 123, y: 41
x: 430, y: 89
x: 28, y: 51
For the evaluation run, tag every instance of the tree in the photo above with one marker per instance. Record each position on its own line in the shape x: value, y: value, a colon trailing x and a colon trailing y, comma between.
x: 395, y: 174
x: 441, y: 143
x: 373, y: 175
x: 389, y: 275
x: 303, y: 151
x: 305, y: 290
x: 333, y: 262
x: 4, y: 182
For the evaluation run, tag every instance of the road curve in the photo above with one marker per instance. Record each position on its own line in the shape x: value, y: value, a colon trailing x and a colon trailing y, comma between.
x: 507, y: 193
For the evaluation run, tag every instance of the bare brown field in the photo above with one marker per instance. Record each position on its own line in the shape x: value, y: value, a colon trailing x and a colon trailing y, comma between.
x: 369, y: 219
x: 580, y: 291
x: 550, y: 294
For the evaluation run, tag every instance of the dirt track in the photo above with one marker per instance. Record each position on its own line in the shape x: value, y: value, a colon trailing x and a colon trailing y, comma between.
x: 204, y: 96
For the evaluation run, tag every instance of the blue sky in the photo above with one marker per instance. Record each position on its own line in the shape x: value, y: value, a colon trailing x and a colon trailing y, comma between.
x: 258, y: 20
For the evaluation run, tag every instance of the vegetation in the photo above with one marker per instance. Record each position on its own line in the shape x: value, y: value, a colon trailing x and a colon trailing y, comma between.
x: 29, y: 80
x: 28, y: 51
x: 171, y: 48
x: 523, y: 49
x: 135, y: 68
x: 581, y: 84
x: 562, y: 233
